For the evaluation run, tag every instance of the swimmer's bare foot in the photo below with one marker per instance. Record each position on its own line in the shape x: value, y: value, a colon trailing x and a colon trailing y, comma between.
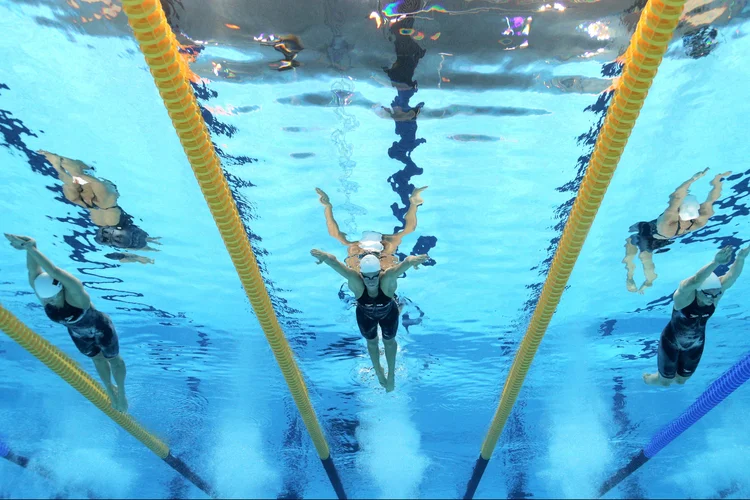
x: 630, y: 284
x: 122, y: 402
x: 390, y: 383
x: 113, y: 396
x: 656, y: 379
x: 381, y: 375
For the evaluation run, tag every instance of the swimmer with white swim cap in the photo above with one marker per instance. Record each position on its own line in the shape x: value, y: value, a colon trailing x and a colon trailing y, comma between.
x: 684, y: 214
x: 375, y: 290
x: 67, y: 303
x: 682, y: 341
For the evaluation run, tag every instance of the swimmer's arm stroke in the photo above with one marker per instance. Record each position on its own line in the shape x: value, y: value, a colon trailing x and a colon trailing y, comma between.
x: 351, y: 275
x: 75, y: 294
x: 675, y: 199
x: 734, y: 272
x: 686, y: 291
x: 391, y: 275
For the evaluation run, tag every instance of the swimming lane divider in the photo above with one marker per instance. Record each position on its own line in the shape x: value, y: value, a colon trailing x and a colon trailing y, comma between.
x: 171, y: 76
x: 73, y: 374
x: 658, y: 20
x: 719, y: 390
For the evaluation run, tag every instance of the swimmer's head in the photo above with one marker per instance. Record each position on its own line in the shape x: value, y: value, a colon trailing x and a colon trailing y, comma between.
x: 711, y: 287
x: 369, y: 269
x: 130, y: 237
x: 46, y: 287
x: 689, y: 208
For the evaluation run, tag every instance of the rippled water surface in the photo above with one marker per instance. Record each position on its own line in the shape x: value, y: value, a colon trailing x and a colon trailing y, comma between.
x: 495, y: 106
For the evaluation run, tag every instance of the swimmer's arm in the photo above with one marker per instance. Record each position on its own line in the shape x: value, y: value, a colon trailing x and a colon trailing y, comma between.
x: 340, y: 268
x: 74, y: 291
x: 410, y: 261
x: 684, y: 294
x: 734, y: 272
x: 33, y: 268
x: 676, y: 198
x: 331, y: 224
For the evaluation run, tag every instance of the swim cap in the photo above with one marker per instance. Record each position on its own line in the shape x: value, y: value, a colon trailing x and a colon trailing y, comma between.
x: 711, y: 283
x: 690, y: 208
x: 369, y: 264
x: 371, y: 241
x: 46, y: 287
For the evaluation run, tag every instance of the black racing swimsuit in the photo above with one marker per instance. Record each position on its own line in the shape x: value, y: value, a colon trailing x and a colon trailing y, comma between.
x: 373, y: 311
x: 645, y: 240
x: 92, y: 331
x: 682, y: 341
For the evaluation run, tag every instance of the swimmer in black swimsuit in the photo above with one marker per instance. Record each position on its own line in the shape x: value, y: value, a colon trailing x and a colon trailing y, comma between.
x: 683, y: 215
x: 375, y: 291
x: 682, y: 341
x: 66, y: 302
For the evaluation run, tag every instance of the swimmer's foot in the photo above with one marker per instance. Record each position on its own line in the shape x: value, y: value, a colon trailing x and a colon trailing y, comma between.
x: 656, y: 379
x: 381, y: 375
x: 630, y: 284
x: 390, y: 383
x: 114, y: 398
x: 122, y: 402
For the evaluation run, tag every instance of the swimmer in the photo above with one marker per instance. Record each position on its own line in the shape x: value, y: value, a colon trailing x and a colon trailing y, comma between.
x: 375, y: 291
x: 682, y: 341
x: 66, y: 302
x: 683, y: 215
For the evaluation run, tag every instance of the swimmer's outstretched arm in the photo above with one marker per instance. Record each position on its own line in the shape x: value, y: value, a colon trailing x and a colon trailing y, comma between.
x: 707, y: 207
x: 675, y: 199
x: 410, y: 219
x: 75, y: 294
x: 685, y: 292
x: 734, y: 272
x: 331, y: 224
x: 351, y: 275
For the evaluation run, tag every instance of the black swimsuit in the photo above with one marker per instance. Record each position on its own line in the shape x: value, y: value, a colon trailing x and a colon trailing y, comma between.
x: 373, y: 311
x: 645, y: 240
x: 682, y: 341
x: 92, y: 331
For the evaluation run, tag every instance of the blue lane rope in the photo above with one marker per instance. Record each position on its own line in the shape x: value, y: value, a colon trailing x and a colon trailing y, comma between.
x: 715, y: 394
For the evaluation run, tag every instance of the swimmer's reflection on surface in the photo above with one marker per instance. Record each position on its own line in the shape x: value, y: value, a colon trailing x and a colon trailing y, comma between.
x: 100, y: 199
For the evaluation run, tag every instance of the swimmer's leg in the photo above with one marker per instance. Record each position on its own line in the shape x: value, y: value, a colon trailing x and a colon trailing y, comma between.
x: 119, y: 371
x: 649, y: 270
x: 368, y: 327
x: 105, y: 373
x: 666, y: 360
x: 391, y: 347
x: 373, y: 348
x: 389, y: 327
x: 630, y: 252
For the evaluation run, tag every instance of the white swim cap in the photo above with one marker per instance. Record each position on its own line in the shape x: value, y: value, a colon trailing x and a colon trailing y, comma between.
x: 712, y: 282
x: 369, y: 264
x: 690, y: 208
x: 46, y: 287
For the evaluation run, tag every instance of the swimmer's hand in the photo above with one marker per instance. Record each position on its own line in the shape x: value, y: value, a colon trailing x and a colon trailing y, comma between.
x: 323, y: 196
x: 743, y: 253
x: 724, y: 255
x: 717, y: 179
x: 415, y: 198
x: 20, y: 242
x: 416, y: 260
x: 320, y: 255
x: 699, y: 175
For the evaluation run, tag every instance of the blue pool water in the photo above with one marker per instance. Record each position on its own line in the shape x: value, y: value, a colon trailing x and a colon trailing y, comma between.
x: 502, y: 142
